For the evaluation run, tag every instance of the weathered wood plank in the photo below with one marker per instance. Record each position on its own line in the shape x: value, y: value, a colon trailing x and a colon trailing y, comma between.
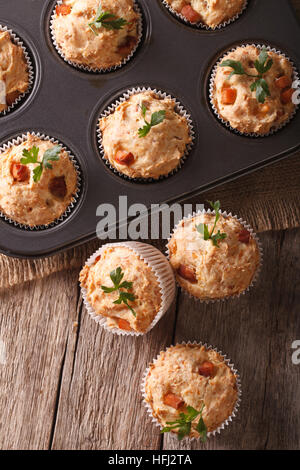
x: 36, y: 323
x: 256, y: 331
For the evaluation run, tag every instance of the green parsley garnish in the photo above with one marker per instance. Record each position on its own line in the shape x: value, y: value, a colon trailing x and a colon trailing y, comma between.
x: 203, y: 228
x: 156, y: 119
x: 262, y: 65
x: 31, y: 156
x: 116, y: 277
x: 106, y: 20
x: 184, y: 424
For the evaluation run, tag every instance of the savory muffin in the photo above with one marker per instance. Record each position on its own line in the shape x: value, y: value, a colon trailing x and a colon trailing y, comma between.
x: 14, y: 75
x: 189, y: 376
x: 96, y: 34
x: 38, y: 182
x: 145, y: 137
x: 210, y: 12
x: 253, y: 91
x: 122, y: 287
x: 216, y: 267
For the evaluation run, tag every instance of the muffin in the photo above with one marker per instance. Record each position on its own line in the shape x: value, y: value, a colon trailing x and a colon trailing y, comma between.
x: 145, y: 136
x: 37, y: 193
x: 191, y: 380
x: 127, y: 286
x: 13, y: 71
x: 211, y: 269
x: 212, y: 13
x: 246, y: 105
x: 84, y: 41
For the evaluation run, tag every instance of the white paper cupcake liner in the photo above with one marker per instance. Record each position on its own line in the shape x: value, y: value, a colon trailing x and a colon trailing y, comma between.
x: 203, y: 25
x: 86, y: 68
x: 178, y: 108
x: 163, y: 272
x: 253, y: 235
x: 226, y: 422
x: 212, y: 87
x: 19, y: 140
x: 17, y: 41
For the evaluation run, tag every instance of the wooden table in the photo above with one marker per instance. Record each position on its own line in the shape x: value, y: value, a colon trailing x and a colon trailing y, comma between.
x: 67, y: 384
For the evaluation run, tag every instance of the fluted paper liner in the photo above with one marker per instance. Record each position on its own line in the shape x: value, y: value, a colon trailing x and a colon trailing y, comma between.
x: 19, y: 140
x: 212, y: 89
x: 178, y: 108
x: 203, y: 25
x: 17, y: 41
x: 253, y: 235
x: 163, y: 272
x: 226, y: 422
x: 86, y: 68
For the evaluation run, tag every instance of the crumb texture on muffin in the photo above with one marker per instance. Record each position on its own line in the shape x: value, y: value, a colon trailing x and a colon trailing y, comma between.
x: 13, y: 70
x: 209, y: 12
x: 30, y: 203
x: 152, y: 156
x: 243, y: 111
x: 213, y: 272
x: 177, y: 371
x: 107, y: 48
x: 145, y: 288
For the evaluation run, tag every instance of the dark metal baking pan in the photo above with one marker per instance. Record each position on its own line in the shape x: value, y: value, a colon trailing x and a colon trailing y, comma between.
x: 173, y: 57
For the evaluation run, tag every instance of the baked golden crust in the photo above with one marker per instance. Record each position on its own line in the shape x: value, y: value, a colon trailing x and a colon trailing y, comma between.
x: 13, y: 70
x: 31, y: 203
x: 220, y: 271
x: 176, y: 371
x: 156, y: 154
x: 211, y: 12
x: 80, y: 45
x: 246, y: 114
x: 145, y: 288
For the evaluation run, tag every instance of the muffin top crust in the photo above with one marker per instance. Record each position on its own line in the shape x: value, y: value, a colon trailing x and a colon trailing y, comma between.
x: 31, y: 202
x: 143, y: 285
x: 209, y: 271
x: 13, y: 71
x: 238, y: 104
x: 93, y: 44
x: 191, y: 376
x: 139, y: 150
x: 209, y: 12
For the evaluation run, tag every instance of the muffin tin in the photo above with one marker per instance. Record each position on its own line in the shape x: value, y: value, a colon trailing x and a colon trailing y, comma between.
x: 66, y: 103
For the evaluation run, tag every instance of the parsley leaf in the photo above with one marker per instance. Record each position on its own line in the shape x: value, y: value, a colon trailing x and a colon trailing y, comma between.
x: 106, y: 20
x: 184, y: 424
x: 31, y: 156
x: 209, y: 235
x: 262, y: 65
x: 124, y: 297
x: 156, y: 119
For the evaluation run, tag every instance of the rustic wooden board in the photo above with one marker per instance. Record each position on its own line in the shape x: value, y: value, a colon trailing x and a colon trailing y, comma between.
x: 68, y: 386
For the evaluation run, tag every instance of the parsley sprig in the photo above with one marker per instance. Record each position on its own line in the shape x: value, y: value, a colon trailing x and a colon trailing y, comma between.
x: 117, y: 277
x: 156, y: 119
x: 184, y: 424
x: 106, y: 20
x: 31, y: 156
x: 209, y: 235
x: 262, y: 65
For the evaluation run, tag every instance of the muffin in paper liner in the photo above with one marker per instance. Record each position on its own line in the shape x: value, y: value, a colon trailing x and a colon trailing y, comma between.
x: 19, y: 140
x: 212, y: 88
x: 201, y: 25
x: 226, y: 422
x: 253, y: 235
x: 178, y: 108
x: 18, y: 42
x: 86, y: 68
x: 163, y: 272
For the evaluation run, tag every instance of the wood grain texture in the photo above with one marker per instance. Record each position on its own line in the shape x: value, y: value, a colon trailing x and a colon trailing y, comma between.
x: 67, y: 384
